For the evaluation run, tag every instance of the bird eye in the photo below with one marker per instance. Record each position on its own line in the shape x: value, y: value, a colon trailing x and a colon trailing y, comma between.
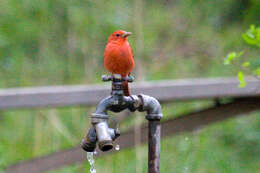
x: 117, y: 35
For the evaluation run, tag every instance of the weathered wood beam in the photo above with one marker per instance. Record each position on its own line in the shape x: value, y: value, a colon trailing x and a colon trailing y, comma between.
x: 186, y: 123
x: 164, y: 91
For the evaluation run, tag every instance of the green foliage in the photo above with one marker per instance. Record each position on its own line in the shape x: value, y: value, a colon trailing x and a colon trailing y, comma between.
x: 241, y: 78
x: 231, y: 57
x: 251, y: 37
x: 246, y: 64
x: 59, y: 42
x: 257, y: 72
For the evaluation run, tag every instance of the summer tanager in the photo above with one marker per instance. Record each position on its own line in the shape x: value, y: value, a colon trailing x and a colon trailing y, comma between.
x: 119, y: 56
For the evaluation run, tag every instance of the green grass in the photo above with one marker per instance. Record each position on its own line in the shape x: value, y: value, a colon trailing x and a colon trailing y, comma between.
x: 217, y: 148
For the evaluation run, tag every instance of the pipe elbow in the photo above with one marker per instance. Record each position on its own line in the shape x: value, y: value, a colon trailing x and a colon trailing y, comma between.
x: 151, y: 106
x: 101, y: 110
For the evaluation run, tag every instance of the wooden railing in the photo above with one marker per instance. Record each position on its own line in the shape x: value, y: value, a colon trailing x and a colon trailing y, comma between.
x: 245, y: 100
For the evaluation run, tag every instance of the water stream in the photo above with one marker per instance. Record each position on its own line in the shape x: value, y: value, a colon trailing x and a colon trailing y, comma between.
x: 90, y: 157
x: 91, y: 162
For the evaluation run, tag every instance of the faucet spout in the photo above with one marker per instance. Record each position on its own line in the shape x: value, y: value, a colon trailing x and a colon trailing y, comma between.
x: 105, y: 135
x: 89, y: 142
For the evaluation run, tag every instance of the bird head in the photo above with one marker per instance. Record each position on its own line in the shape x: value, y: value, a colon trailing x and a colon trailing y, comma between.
x: 119, y: 36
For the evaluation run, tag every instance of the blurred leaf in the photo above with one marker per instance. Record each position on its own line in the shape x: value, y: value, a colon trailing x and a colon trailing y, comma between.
x: 241, y: 78
x: 231, y: 57
x: 246, y: 64
x: 252, y: 36
x: 257, y: 71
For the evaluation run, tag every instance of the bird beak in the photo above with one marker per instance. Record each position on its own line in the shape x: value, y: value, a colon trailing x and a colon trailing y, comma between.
x: 126, y: 34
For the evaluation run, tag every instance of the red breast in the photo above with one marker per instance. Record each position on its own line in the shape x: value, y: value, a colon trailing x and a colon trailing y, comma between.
x: 118, y: 54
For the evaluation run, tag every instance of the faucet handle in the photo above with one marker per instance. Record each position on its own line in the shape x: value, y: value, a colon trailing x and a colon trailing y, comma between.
x: 106, y: 78
x: 129, y: 78
x: 117, y: 77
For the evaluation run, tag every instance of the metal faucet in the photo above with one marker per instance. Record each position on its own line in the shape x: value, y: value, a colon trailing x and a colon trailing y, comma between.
x: 103, y: 135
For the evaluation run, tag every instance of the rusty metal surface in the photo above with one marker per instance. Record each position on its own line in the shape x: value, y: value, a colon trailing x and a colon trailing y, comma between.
x: 117, y: 102
x: 164, y: 91
x: 154, y: 139
x: 186, y: 123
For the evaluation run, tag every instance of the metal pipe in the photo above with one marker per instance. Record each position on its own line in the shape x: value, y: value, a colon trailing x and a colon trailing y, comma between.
x: 101, y: 110
x: 118, y: 102
x: 154, y: 114
x: 154, y: 138
x: 151, y: 106
x: 105, y: 135
x: 99, y: 121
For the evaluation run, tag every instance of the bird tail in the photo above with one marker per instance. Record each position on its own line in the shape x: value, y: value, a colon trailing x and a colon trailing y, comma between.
x: 126, y: 89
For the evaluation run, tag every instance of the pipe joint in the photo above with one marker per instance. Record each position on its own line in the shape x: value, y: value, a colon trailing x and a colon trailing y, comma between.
x: 136, y: 101
x: 97, y: 118
x: 100, y: 132
x: 101, y: 111
x: 105, y: 135
x: 151, y: 106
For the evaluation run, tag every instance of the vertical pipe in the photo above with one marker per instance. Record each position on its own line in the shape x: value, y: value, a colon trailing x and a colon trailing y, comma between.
x: 154, y: 138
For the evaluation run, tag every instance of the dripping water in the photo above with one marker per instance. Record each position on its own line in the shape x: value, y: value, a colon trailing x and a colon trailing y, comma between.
x: 117, y: 147
x: 91, y: 162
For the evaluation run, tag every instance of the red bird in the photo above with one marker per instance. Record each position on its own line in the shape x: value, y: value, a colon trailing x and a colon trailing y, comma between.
x: 119, y: 56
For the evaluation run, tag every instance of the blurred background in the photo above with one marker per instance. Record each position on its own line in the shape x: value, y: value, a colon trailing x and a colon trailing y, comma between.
x: 61, y: 42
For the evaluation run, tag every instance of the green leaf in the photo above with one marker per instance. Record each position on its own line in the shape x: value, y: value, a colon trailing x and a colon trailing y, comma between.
x: 252, y: 28
x: 246, y: 64
x: 257, y: 71
x: 252, y: 36
x: 231, y: 57
x: 241, y: 78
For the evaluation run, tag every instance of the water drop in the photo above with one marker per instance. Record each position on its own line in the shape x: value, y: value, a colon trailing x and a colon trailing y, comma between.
x: 117, y: 147
x: 93, y: 170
